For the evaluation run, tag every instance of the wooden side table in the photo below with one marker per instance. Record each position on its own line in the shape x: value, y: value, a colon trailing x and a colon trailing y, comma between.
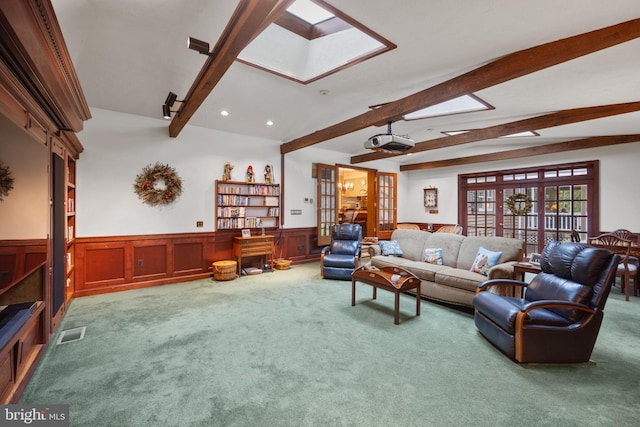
x: 520, y: 268
x: 253, y: 246
x: 384, y: 279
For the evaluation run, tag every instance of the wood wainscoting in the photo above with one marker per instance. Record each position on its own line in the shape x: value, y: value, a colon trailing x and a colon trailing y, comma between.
x: 110, y: 264
x: 17, y: 257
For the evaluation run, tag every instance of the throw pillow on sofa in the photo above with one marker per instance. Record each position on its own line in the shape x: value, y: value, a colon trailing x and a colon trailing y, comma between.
x: 390, y: 247
x: 485, y: 259
x: 433, y: 256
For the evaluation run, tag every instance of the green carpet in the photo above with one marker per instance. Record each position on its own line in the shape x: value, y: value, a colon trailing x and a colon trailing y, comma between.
x: 287, y: 349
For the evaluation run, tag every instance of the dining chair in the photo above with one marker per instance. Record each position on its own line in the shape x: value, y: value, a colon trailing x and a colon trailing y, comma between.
x: 626, y: 269
x: 407, y: 226
x: 453, y: 228
x: 634, y: 262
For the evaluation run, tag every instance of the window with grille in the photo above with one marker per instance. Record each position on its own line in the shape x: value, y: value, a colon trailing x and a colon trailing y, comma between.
x: 563, y: 198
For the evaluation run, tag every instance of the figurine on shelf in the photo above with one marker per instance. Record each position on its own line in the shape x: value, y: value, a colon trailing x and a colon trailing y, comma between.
x: 267, y: 174
x: 226, y: 175
x: 250, y: 175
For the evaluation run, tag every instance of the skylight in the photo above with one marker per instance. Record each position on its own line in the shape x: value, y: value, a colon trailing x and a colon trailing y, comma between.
x: 311, y: 40
x: 462, y: 104
x: 513, y: 135
x: 309, y: 11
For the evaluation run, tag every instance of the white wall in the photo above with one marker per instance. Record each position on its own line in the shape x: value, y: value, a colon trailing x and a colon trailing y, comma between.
x: 300, y: 186
x: 117, y: 146
x: 619, y: 180
x: 24, y: 213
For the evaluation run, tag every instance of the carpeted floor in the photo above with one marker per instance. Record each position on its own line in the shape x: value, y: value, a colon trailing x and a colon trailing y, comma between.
x: 287, y: 349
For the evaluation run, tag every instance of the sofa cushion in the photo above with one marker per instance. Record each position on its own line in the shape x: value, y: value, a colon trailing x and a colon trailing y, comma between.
x: 450, y: 244
x: 433, y: 256
x: 485, y: 259
x: 424, y: 270
x: 512, y: 249
x: 385, y: 261
x: 412, y: 242
x: 459, y: 278
x: 390, y: 247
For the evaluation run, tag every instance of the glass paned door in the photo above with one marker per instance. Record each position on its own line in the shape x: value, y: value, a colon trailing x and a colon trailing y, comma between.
x: 481, y: 212
x: 522, y: 227
x: 327, y: 209
x: 565, y: 210
x: 387, y: 204
x: 564, y: 198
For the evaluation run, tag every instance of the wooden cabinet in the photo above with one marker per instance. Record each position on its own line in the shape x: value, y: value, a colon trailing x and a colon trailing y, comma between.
x: 70, y: 232
x: 22, y: 331
x: 247, y: 205
x: 244, y: 247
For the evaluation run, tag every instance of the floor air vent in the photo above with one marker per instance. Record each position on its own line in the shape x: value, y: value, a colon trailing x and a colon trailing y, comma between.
x: 71, y: 335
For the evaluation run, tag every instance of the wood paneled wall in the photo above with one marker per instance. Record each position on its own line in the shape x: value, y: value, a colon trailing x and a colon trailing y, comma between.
x: 17, y: 257
x: 109, y: 264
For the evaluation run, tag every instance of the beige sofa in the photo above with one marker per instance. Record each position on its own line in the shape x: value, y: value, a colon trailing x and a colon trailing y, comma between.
x: 452, y: 282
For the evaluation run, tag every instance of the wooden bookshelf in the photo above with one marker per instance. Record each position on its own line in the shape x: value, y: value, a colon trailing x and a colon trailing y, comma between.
x: 241, y: 205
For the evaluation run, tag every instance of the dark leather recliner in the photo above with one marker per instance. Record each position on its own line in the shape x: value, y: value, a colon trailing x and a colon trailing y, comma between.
x: 340, y: 259
x: 559, y: 318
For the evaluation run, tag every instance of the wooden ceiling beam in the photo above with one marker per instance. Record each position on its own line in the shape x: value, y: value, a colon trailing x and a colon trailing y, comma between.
x: 559, y: 118
x: 249, y: 19
x: 559, y: 147
x: 506, y: 68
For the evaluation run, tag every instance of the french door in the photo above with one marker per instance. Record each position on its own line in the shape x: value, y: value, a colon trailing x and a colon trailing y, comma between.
x: 552, y: 201
x: 381, y: 210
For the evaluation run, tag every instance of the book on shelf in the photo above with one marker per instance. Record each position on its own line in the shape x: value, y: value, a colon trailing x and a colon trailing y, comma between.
x: 271, y: 201
x: 69, y: 260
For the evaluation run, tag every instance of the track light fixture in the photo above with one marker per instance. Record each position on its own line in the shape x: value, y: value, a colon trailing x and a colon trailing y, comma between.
x: 198, y: 45
x: 168, y: 103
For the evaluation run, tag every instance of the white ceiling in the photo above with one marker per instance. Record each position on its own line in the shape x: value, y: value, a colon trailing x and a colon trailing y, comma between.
x: 130, y: 53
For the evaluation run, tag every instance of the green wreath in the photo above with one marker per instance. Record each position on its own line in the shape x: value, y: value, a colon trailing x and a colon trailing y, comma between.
x: 158, y: 185
x: 519, y: 204
x: 6, y: 181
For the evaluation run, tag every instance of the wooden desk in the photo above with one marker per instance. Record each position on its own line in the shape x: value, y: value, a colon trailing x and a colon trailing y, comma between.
x: 253, y: 246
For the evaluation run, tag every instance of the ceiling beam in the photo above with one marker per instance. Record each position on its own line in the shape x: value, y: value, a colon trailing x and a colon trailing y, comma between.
x: 506, y: 68
x: 249, y: 19
x: 559, y: 147
x: 559, y: 118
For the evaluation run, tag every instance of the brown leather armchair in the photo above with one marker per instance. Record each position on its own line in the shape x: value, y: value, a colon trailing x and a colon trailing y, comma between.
x: 559, y: 317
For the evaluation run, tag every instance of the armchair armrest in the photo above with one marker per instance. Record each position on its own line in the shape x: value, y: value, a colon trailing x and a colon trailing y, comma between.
x: 326, y: 250
x: 536, y: 305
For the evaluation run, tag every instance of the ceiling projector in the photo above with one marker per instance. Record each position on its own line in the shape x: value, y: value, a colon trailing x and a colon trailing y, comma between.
x: 389, y: 142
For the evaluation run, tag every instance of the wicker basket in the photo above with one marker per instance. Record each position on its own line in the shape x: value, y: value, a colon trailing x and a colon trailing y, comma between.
x: 224, y: 270
x: 282, y: 264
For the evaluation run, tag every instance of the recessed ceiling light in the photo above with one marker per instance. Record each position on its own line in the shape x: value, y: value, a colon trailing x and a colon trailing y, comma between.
x: 224, y: 113
x: 269, y: 123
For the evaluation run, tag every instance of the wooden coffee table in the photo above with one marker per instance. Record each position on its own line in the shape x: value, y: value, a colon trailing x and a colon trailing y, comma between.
x: 382, y: 278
